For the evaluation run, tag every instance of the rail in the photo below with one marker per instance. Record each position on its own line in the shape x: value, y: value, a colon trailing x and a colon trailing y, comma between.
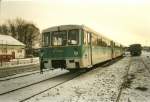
x: 124, y: 82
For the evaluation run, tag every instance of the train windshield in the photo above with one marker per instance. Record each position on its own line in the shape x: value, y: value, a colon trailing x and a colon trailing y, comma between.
x: 73, y: 37
x: 59, y: 38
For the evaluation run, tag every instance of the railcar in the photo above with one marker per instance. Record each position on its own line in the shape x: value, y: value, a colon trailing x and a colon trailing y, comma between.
x: 135, y: 49
x: 76, y: 47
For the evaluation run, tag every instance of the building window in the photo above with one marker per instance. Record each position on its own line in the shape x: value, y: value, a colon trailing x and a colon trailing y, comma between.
x: 4, y: 51
x: 19, y: 51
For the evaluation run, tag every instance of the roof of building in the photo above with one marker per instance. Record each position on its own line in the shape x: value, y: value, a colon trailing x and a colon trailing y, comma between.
x: 9, y: 40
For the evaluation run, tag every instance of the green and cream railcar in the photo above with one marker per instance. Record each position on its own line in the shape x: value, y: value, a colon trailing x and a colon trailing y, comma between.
x: 76, y: 46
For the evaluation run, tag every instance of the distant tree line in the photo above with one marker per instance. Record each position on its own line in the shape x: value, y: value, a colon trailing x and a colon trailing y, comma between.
x: 24, y: 31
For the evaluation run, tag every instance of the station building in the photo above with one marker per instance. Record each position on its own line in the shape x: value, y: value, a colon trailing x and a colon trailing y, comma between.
x: 11, y: 47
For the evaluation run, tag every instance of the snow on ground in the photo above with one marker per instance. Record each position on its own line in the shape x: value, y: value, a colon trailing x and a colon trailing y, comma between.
x: 138, y: 89
x: 98, y: 85
x: 27, y: 80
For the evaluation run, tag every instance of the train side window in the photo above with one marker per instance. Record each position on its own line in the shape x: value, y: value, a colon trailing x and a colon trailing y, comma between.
x: 94, y: 39
x: 108, y: 43
x: 99, y: 41
x: 114, y: 44
x: 104, y: 43
x: 89, y: 38
x: 46, y: 38
x: 117, y: 45
x: 85, y: 38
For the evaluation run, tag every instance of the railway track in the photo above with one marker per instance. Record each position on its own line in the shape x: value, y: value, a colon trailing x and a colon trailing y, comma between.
x: 5, y: 72
x: 126, y: 77
x: 76, y: 75
x: 22, y: 75
x: 19, y: 76
x: 145, y: 65
x: 20, y: 82
x: 124, y: 81
x: 26, y: 89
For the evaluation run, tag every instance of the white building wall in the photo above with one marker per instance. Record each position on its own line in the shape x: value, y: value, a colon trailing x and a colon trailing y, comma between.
x: 18, y: 50
x: 19, y: 53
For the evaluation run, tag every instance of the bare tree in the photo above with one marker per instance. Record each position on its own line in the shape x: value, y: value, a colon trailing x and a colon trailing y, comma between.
x: 4, y: 29
x: 31, y: 36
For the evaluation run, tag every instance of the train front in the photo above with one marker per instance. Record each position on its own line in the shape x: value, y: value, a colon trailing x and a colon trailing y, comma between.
x: 61, y: 48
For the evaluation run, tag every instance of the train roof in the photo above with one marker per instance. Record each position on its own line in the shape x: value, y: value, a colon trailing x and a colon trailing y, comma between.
x: 71, y: 26
x: 135, y: 45
x: 64, y: 27
x: 9, y: 40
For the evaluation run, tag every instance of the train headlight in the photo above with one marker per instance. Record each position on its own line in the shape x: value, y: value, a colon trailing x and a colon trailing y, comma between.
x: 75, y: 53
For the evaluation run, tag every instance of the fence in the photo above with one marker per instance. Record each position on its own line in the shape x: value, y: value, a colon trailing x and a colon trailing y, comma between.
x: 19, y: 62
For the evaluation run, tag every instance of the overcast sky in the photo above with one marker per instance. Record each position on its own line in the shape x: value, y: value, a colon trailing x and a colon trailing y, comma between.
x: 125, y: 21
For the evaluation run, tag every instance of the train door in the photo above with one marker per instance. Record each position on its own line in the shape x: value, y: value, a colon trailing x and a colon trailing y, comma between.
x: 89, y: 49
